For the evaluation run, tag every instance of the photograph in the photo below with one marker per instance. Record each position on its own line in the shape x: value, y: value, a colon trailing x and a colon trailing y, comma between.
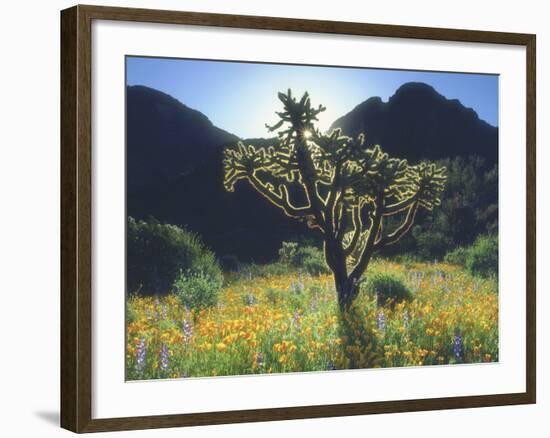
x: 252, y: 219
x: 293, y: 218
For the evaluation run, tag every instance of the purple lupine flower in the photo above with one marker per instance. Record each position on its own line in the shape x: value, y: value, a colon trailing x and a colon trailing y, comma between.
x: 415, y: 281
x: 260, y: 360
x: 141, y: 356
x: 406, y: 318
x: 296, y: 319
x: 313, y: 305
x: 298, y: 286
x: 381, y: 321
x: 187, y: 329
x: 249, y: 300
x: 458, y: 346
x: 163, y: 358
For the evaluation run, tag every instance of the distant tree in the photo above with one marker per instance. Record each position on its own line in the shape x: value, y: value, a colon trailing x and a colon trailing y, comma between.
x: 338, y: 186
x: 469, y: 208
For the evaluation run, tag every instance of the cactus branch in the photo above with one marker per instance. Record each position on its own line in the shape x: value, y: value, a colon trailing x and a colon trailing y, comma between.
x: 360, y: 187
x: 280, y: 199
x: 403, y: 229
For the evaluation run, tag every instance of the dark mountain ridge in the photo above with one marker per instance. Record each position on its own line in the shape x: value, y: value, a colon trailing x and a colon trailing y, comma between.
x: 165, y: 138
x: 419, y: 123
x: 175, y: 174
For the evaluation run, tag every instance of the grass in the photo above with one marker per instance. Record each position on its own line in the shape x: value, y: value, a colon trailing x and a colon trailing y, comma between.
x: 289, y: 322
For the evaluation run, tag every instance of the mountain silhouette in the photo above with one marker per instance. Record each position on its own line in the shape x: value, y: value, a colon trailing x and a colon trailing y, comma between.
x: 175, y: 169
x: 419, y: 123
x: 165, y: 138
x: 175, y: 174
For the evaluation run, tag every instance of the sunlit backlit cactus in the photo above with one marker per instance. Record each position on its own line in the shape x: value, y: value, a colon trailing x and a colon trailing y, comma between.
x: 346, y: 189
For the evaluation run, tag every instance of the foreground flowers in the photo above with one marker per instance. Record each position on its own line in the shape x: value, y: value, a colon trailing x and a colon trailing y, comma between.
x: 271, y: 325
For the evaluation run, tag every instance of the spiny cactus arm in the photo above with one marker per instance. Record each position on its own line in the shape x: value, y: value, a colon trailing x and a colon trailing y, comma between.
x: 240, y: 162
x: 427, y: 181
x: 309, y: 181
x: 278, y: 198
x: 357, y: 229
x: 399, y: 232
x: 430, y: 180
x: 382, y: 178
x: 243, y: 162
x: 400, y: 206
x: 305, y: 210
x: 298, y: 114
x: 368, y: 249
x: 299, y: 117
x: 333, y: 218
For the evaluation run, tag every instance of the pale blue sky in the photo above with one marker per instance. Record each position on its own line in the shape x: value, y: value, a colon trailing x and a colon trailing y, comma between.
x: 241, y: 97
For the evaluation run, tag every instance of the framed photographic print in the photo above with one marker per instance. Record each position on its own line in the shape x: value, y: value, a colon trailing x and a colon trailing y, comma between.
x: 268, y: 218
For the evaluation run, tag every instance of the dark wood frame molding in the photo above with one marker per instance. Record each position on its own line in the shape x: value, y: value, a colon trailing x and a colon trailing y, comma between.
x: 76, y: 239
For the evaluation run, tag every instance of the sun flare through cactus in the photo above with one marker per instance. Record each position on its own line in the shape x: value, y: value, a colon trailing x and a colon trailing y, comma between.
x: 337, y: 186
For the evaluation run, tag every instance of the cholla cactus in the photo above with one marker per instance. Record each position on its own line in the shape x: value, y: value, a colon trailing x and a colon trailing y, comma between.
x: 347, y: 190
x: 287, y: 252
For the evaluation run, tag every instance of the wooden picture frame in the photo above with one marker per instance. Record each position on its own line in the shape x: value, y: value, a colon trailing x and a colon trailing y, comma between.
x: 76, y: 218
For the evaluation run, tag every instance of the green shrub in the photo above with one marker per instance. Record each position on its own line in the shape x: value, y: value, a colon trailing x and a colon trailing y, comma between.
x: 287, y: 252
x: 156, y: 253
x: 316, y: 265
x: 274, y: 296
x: 197, y: 289
x: 482, y: 259
x: 302, y: 254
x: 296, y: 296
x: 457, y: 256
x: 131, y: 314
x: 249, y: 299
x: 389, y: 289
x: 307, y: 258
x: 297, y: 302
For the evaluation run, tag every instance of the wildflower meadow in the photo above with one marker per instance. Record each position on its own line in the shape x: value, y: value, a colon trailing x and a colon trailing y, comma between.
x: 330, y: 232
x: 290, y: 322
